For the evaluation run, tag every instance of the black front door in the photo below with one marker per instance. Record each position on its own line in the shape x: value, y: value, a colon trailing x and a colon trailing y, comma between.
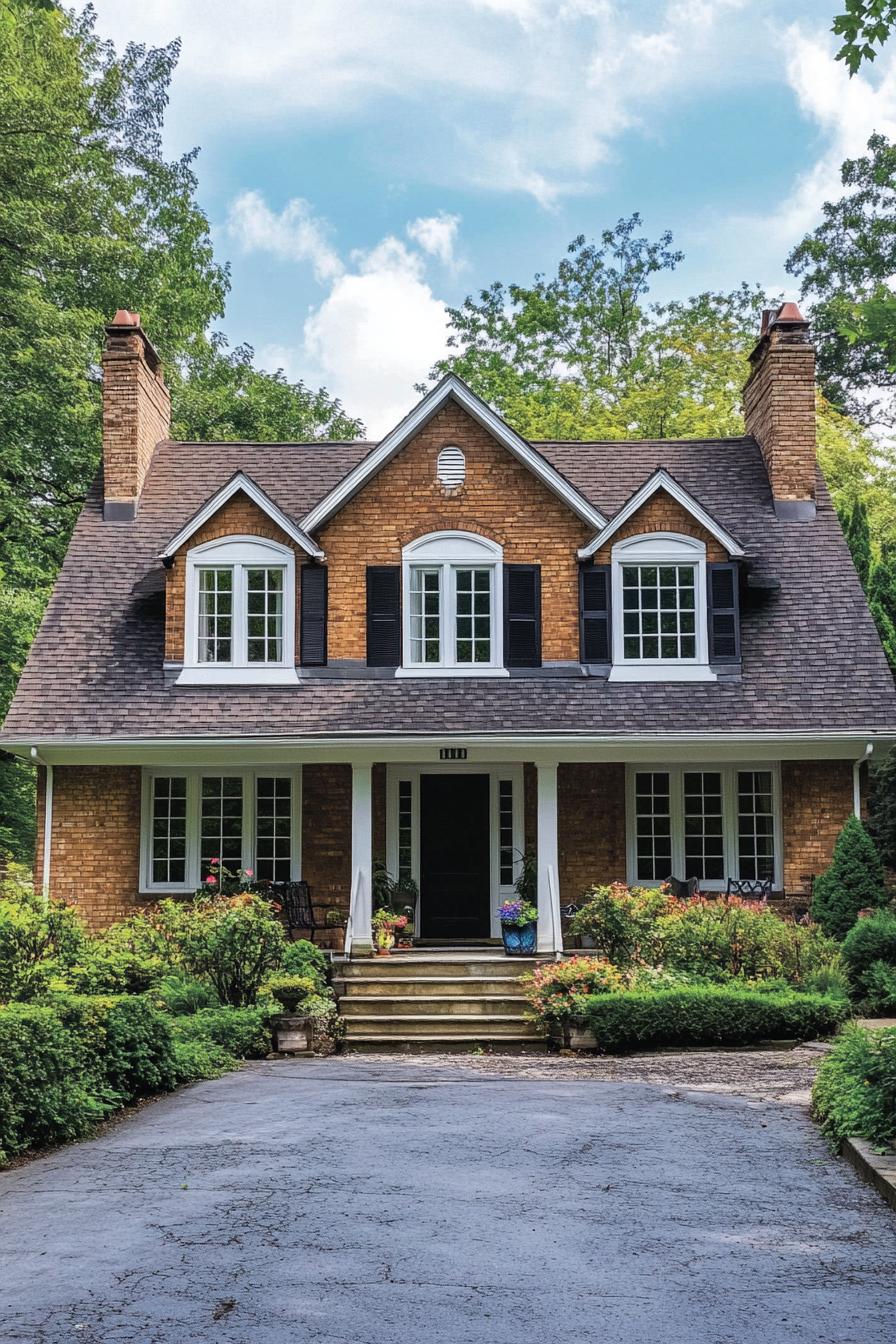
x: 455, y: 879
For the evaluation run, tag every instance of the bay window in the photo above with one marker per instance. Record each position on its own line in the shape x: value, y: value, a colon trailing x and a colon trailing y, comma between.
x: 193, y: 818
x: 452, y: 606
x: 707, y: 822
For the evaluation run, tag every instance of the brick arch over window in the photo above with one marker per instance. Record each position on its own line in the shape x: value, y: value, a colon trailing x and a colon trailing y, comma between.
x: 662, y: 513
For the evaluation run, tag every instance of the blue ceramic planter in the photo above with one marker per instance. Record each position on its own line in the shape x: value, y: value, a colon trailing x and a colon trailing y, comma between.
x: 519, y: 942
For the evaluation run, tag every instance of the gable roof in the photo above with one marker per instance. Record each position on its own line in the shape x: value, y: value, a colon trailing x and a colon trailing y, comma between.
x: 240, y: 482
x: 662, y: 480
x: 452, y: 388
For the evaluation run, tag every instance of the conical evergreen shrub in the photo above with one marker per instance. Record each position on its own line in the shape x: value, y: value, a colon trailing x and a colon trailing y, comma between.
x: 882, y: 809
x: 854, y: 881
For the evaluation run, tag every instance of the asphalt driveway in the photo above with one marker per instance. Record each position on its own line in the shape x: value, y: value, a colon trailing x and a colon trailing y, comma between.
x: 351, y: 1201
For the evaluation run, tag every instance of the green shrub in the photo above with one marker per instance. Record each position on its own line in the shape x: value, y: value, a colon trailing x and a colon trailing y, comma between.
x: 871, y: 941
x: 243, y: 1033
x: 233, y: 941
x: 180, y: 994
x: 127, y: 958
x: 708, y: 1015
x: 854, y: 1095
x: 724, y: 939
x: 291, y: 991
x: 882, y: 809
x: 853, y: 882
x: 620, y: 921
x: 832, y: 980
x: 880, y: 988
x: 127, y: 1042
x: 43, y: 1098
x: 303, y: 958
x: 555, y: 989
x: 195, y: 1059
x: 35, y: 936
x: 328, y: 1027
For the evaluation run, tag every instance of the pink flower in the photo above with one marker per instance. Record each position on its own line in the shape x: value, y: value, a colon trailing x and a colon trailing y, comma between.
x: 214, y: 862
x: 211, y: 881
x: 249, y: 871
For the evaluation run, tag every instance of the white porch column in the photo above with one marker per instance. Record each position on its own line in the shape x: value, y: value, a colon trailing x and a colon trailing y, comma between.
x: 548, y: 852
x: 362, y: 858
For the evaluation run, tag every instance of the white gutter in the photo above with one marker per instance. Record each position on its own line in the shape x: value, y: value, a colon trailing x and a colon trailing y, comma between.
x: 857, y: 781
x: 48, y: 822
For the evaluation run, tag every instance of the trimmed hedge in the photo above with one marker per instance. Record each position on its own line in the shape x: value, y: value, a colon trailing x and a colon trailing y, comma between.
x: 127, y: 1045
x: 709, y: 1015
x: 854, y: 1095
x: 241, y: 1033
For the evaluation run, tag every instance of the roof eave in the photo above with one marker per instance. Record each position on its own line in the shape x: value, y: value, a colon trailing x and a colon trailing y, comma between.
x: 241, y: 482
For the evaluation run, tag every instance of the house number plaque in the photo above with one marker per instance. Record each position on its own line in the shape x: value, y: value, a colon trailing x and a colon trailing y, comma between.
x: 452, y: 753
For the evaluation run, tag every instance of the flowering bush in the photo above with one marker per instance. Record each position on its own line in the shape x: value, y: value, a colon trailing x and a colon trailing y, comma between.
x: 518, y: 913
x: 235, y: 941
x: 226, y: 881
x: 555, y: 990
x: 732, y: 938
x: 620, y: 921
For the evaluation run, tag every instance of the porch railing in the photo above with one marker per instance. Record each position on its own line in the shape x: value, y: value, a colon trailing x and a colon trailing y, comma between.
x: 556, y: 921
x: 349, y: 923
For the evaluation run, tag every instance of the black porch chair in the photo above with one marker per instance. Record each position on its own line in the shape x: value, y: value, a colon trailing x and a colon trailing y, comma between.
x: 751, y: 889
x: 682, y: 888
x: 298, y: 911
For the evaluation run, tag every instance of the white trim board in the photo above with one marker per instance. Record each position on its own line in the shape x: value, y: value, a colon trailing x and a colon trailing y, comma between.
x: 451, y: 388
x: 244, y: 483
x: 661, y: 480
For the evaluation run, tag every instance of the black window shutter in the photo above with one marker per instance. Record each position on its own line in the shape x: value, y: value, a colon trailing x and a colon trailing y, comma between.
x: 594, y: 613
x: 313, y: 620
x: 522, y: 615
x: 723, y: 613
x: 383, y: 615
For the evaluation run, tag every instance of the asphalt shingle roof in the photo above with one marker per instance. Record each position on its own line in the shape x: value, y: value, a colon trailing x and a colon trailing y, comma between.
x: 812, y: 661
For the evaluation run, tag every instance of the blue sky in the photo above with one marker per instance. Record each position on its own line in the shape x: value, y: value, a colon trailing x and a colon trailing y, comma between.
x: 366, y: 162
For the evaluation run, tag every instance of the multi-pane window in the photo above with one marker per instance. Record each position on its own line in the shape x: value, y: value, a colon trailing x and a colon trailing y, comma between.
x: 405, y: 829
x: 473, y: 615
x: 273, y: 828
x: 755, y: 824
x: 264, y: 606
x: 704, y: 834
x: 710, y: 824
x: 426, y: 605
x: 215, y: 615
x: 168, y: 859
x: 653, y: 826
x: 505, y: 832
x: 238, y: 820
x: 659, y: 612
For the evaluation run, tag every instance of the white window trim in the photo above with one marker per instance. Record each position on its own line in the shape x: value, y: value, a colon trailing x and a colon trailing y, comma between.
x: 412, y: 773
x: 239, y: 552
x: 448, y: 552
x: 729, y: 818
x: 660, y: 548
x: 193, y: 775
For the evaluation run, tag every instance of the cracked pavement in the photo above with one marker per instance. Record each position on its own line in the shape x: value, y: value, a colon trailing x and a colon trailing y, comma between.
x: 377, y: 1201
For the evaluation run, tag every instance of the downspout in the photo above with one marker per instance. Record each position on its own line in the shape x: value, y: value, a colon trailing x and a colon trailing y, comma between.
x: 48, y: 822
x: 857, y: 782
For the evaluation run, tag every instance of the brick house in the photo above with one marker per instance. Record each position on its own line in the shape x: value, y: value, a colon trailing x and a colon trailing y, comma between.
x: 441, y: 650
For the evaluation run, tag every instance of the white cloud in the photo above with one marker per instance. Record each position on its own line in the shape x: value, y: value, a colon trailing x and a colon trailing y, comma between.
x: 437, y: 235
x: 295, y: 234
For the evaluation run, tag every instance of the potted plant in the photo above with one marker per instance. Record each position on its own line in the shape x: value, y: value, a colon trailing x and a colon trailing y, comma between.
x: 394, y: 903
x: 519, y: 927
x: 385, y: 924
x: 336, y: 920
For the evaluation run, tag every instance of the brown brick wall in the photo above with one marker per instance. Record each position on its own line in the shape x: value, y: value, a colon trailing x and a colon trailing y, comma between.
x: 591, y: 826
x: 95, y: 852
x: 662, y: 513
x: 499, y: 499
x: 326, y: 838
x: 240, y: 516
x: 136, y: 414
x: 816, y: 801
x: 779, y: 410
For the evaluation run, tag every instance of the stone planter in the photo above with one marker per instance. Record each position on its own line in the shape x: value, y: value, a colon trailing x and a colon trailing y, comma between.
x: 573, y: 1034
x: 293, y: 1034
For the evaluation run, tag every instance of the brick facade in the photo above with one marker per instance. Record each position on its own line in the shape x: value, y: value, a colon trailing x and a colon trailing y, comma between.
x: 816, y: 801
x: 591, y: 826
x: 779, y: 409
x: 136, y: 412
x: 662, y: 513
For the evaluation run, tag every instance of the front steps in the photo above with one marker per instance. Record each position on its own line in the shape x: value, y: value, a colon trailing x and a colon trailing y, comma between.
x: 436, y: 1000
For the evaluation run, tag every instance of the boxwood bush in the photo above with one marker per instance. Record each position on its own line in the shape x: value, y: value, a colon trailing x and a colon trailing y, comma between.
x: 708, y: 1015
x: 854, y: 1095
x: 242, y: 1033
x: 126, y: 1044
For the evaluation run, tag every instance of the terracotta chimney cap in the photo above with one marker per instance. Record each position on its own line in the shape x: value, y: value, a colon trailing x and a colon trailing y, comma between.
x: 788, y: 312
x: 125, y: 319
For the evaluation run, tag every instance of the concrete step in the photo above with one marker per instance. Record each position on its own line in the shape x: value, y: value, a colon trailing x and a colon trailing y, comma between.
x: 471, y: 1026
x: 411, y: 1005
x: 417, y: 965
x: 468, y: 986
x: 371, y: 1044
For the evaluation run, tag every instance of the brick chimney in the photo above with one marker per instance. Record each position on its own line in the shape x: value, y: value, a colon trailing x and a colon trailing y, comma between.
x: 136, y: 413
x: 779, y: 409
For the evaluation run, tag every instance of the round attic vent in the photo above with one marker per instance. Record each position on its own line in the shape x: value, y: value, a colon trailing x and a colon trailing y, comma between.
x: 451, y: 467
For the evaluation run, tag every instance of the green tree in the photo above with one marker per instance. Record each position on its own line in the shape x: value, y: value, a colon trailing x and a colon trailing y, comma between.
x: 882, y: 809
x: 864, y: 25
x: 858, y: 539
x: 853, y: 882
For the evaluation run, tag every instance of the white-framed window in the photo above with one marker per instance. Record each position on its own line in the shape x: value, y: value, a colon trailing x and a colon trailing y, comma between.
x: 659, y: 609
x: 711, y: 822
x: 240, y: 612
x: 240, y: 818
x: 452, y: 591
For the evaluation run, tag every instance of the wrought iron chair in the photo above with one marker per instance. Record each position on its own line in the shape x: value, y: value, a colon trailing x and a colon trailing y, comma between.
x: 682, y: 888
x: 298, y: 912
x: 751, y: 889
